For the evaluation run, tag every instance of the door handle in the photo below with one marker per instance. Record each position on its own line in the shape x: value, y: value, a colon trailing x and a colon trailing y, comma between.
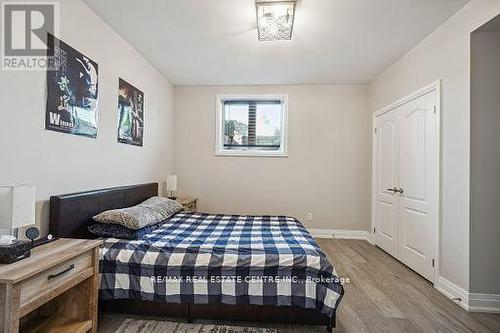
x: 395, y: 190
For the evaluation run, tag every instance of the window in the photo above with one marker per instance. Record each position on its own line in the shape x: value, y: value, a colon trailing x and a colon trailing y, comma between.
x: 251, y: 125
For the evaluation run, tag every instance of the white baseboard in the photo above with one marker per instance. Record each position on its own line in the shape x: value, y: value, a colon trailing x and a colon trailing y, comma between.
x: 484, y: 303
x: 371, y: 238
x: 471, y: 302
x: 452, y: 291
x: 340, y: 234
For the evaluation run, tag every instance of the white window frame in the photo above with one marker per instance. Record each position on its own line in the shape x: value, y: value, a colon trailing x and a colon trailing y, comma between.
x: 219, y: 140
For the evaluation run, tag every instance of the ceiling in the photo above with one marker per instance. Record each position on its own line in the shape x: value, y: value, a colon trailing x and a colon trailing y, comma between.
x: 214, y: 42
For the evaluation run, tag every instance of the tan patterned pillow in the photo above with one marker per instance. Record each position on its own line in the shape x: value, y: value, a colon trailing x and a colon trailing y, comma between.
x: 151, y: 211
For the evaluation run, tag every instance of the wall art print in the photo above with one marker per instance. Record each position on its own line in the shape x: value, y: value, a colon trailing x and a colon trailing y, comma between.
x: 130, y: 114
x: 72, y: 90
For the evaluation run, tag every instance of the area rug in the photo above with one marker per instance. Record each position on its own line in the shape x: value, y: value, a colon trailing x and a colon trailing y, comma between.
x: 158, y: 326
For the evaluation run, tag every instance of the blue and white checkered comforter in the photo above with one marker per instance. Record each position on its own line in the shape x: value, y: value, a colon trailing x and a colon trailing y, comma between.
x: 202, y: 258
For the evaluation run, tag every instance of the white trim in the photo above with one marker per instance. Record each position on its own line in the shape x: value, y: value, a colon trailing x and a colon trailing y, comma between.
x: 340, y: 234
x: 437, y: 251
x: 433, y: 86
x: 451, y: 290
x: 484, y: 303
x: 471, y: 302
x: 220, y: 151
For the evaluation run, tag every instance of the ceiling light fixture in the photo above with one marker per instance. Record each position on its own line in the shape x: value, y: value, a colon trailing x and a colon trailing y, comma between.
x: 275, y: 19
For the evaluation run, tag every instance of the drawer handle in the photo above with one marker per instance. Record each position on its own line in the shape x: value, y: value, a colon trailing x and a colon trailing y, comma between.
x: 22, y: 256
x: 52, y: 276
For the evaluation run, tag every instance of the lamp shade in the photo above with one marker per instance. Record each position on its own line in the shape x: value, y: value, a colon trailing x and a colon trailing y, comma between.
x: 17, y: 206
x: 172, y: 183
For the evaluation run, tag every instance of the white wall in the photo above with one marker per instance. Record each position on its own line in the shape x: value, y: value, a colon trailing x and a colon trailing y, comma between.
x: 445, y: 54
x: 59, y: 163
x: 326, y: 172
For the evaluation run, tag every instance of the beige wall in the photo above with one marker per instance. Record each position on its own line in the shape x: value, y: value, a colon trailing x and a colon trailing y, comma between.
x: 485, y: 162
x: 58, y: 163
x: 326, y: 172
x: 445, y: 55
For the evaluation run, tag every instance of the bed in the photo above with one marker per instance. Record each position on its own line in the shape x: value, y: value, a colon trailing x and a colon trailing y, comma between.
x: 200, y: 265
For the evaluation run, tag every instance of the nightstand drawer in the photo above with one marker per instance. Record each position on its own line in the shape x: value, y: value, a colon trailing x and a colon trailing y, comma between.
x: 55, y: 278
x: 190, y: 207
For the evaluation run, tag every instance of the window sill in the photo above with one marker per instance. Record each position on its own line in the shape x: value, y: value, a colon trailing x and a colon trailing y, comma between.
x: 225, y: 153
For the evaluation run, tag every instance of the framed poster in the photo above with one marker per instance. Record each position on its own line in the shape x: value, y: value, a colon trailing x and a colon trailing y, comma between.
x: 72, y: 90
x: 130, y: 114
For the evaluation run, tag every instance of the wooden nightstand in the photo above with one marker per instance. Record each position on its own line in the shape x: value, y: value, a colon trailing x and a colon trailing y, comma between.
x: 189, y: 204
x: 54, y: 290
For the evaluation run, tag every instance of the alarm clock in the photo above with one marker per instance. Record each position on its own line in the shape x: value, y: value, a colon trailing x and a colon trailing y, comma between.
x: 32, y: 233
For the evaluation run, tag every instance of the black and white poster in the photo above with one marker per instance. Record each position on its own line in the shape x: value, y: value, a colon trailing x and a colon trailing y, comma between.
x: 130, y: 114
x: 72, y: 90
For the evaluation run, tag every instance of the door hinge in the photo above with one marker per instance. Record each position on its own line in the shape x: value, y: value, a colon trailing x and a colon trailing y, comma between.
x: 432, y: 262
x: 375, y: 130
x: 373, y: 230
x: 435, y: 109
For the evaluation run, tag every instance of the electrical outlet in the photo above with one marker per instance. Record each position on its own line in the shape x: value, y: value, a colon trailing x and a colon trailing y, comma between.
x: 309, y: 217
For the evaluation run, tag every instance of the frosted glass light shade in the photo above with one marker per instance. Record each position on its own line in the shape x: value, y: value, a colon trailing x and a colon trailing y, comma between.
x: 172, y: 183
x: 275, y: 19
x: 17, y: 206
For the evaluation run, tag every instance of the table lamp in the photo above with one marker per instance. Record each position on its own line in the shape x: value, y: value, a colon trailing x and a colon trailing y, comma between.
x: 17, y: 209
x: 172, y: 186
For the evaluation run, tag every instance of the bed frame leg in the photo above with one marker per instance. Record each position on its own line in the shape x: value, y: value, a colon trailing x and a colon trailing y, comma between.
x: 189, y: 317
x: 331, y: 325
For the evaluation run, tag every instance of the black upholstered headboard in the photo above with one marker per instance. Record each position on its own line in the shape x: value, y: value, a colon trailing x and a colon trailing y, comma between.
x: 71, y: 214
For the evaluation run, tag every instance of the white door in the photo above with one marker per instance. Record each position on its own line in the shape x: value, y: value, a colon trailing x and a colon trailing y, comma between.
x: 407, y: 182
x: 388, y: 175
x: 419, y: 167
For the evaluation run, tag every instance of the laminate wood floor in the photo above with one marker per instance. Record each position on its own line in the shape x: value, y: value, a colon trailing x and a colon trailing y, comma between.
x: 383, y: 295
